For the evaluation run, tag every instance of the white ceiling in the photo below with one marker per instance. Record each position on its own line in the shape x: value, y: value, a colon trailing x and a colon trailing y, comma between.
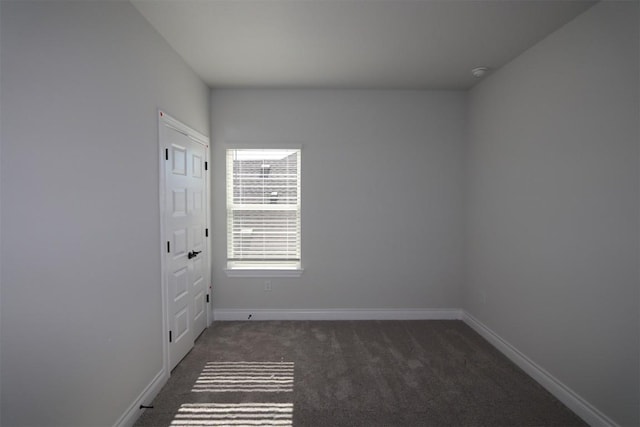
x: 386, y: 44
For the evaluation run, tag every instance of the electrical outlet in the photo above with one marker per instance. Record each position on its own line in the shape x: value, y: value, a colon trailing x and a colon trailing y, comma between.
x: 267, y: 285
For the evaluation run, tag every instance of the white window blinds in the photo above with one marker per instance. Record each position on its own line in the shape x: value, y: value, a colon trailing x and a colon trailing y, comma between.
x: 263, y: 208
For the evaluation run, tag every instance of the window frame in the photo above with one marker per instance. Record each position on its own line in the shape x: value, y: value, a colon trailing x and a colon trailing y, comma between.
x: 261, y: 268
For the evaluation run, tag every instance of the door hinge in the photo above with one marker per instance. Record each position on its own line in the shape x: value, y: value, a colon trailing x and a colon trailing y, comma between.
x: 207, y: 297
x: 168, y: 247
x: 206, y: 166
x: 206, y: 232
x: 170, y: 338
x: 166, y: 154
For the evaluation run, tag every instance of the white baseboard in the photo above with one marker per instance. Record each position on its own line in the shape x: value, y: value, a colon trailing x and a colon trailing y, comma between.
x: 148, y: 394
x: 571, y: 399
x: 339, y: 314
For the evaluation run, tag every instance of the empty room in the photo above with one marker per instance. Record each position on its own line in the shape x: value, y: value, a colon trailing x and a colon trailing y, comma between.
x: 319, y: 213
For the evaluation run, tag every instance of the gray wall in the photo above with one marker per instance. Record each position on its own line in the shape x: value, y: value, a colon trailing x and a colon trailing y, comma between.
x: 81, y: 313
x: 381, y: 195
x: 553, y: 206
x: 0, y: 222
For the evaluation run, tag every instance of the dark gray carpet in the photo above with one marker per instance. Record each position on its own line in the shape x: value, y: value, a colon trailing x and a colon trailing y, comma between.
x: 351, y: 373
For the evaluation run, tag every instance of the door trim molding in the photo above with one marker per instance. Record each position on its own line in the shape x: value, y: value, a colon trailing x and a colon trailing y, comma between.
x: 182, y: 128
x: 165, y: 120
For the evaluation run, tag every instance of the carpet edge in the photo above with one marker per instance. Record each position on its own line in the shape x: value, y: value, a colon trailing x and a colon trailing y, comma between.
x: 338, y: 314
x: 589, y: 413
x: 133, y: 412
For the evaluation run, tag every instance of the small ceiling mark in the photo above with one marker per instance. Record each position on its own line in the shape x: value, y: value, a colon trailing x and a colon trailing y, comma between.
x: 479, y: 72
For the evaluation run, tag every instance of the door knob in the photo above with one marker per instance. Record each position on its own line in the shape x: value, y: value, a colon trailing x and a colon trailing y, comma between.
x: 193, y: 254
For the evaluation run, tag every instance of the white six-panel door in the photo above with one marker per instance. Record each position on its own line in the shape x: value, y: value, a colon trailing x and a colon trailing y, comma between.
x: 185, y: 266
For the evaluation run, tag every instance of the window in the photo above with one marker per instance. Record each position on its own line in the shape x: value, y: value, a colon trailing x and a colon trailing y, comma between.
x: 263, y: 209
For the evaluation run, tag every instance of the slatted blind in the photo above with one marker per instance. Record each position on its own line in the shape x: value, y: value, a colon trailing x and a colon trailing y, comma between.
x: 263, y: 208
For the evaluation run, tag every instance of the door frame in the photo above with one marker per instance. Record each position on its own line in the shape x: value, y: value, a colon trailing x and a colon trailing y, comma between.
x: 165, y: 120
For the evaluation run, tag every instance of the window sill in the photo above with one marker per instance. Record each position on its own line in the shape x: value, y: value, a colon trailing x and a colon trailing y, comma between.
x: 264, y: 272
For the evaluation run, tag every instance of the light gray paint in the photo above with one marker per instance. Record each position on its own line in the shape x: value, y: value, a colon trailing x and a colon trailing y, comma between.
x: 381, y: 195
x: 352, y: 43
x: 81, y: 313
x: 0, y: 221
x: 553, y: 206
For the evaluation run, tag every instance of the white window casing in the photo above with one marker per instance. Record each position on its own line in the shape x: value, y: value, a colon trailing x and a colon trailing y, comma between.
x: 263, y: 212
